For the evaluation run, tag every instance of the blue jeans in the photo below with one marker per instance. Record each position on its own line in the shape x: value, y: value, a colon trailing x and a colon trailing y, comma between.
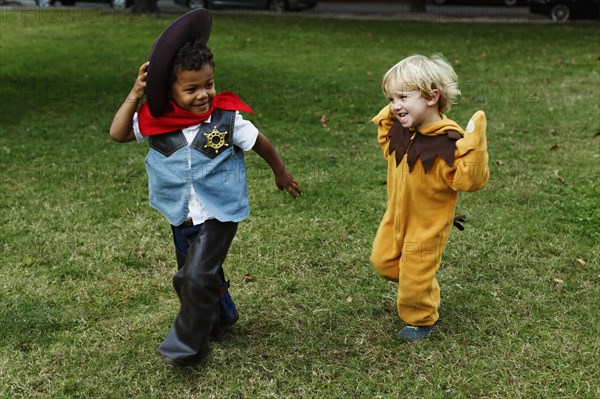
x: 201, y: 287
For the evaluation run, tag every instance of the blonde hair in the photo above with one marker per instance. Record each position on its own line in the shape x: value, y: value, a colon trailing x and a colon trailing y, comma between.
x: 423, y: 74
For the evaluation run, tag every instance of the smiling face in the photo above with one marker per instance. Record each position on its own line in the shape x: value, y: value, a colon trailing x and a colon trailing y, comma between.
x: 420, y: 89
x: 194, y: 90
x: 412, y: 109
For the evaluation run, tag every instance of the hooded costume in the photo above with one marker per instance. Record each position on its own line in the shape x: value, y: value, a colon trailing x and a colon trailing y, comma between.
x: 426, y: 170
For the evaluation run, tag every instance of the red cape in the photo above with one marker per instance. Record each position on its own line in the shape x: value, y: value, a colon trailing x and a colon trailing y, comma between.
x: 178, y: 118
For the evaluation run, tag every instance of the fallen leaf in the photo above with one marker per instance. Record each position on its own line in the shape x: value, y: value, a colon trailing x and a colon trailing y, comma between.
x: 324, y: 121
x: 555, y: 147
x: 553, y: 132
x: 558, y: 281
x: 559, y: 177
x: 349, y: 299
x: 582, y: 261
x: 499, y: 162
x: 248, y: 278
x: 140, y: 254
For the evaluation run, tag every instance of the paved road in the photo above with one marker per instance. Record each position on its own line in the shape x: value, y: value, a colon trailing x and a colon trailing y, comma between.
x: 371, y: 10
x: 391, y: 10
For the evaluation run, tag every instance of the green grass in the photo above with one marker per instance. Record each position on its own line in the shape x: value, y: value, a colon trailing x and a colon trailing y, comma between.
x: 86, y: 268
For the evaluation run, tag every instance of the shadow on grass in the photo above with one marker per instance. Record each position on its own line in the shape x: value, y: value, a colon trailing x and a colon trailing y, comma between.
x: 24, y: 98
x: 29, y: 323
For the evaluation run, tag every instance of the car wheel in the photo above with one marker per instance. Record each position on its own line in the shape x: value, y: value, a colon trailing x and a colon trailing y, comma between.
x: 192, y: 4
x: 560, y: 12
x: 511, y: 3
x: 119, y: 4
x: 277, y: 5
x: 44, y: 3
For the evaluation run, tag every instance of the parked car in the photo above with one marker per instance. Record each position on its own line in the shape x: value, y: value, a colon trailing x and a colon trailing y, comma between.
x: 509, y: 3
x: 113, y: 3
x: 562, y: 10
x: 273, y: 5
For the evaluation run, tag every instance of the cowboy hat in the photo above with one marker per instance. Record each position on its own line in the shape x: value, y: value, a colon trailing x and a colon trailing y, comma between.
x: 195, y: 24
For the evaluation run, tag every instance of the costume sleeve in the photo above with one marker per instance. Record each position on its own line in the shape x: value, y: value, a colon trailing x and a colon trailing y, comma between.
x: 245, y: 133
x: 384, y: 121
x: 470, y: 171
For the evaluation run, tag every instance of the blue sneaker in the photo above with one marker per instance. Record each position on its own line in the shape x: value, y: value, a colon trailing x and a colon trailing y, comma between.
x: 415, y: 333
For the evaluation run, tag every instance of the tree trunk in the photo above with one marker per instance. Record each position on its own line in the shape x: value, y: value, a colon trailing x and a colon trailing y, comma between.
x: 417, y: 5
x: 145, y: 7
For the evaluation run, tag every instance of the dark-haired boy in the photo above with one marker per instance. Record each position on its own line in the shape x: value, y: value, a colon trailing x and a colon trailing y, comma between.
x: 197, y: 180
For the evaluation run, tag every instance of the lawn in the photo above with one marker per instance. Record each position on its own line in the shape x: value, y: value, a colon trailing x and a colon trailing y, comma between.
x: 86, y: 267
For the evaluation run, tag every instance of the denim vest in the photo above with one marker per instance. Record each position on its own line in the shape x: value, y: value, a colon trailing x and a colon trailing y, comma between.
x: 217, y: 172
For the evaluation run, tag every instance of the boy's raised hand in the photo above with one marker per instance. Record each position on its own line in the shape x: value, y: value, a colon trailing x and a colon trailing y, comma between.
x: 121, y: 129
x: 139, y: 87
x: 475, y: 134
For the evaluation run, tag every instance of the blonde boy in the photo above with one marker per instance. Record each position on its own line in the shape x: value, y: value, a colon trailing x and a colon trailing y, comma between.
x: 430, y: 159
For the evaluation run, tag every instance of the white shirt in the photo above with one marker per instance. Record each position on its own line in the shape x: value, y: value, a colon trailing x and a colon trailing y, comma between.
x: 244, y: 136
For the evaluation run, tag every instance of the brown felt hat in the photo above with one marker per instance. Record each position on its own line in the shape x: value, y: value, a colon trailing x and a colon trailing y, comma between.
x: 195, y: 24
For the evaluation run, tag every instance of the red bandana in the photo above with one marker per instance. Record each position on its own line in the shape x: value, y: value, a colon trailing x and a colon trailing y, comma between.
x: 178, y: 118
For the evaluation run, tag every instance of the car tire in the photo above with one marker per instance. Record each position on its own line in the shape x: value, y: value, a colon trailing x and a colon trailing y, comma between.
x: 44, y: 3
x: 560, y: 12
x: 192, y: 4
x: 119, y: 4
x: 511, y: 3
x: 277, y: 5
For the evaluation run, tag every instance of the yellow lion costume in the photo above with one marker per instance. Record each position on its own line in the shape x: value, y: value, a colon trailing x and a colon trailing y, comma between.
x: 426, y: 170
